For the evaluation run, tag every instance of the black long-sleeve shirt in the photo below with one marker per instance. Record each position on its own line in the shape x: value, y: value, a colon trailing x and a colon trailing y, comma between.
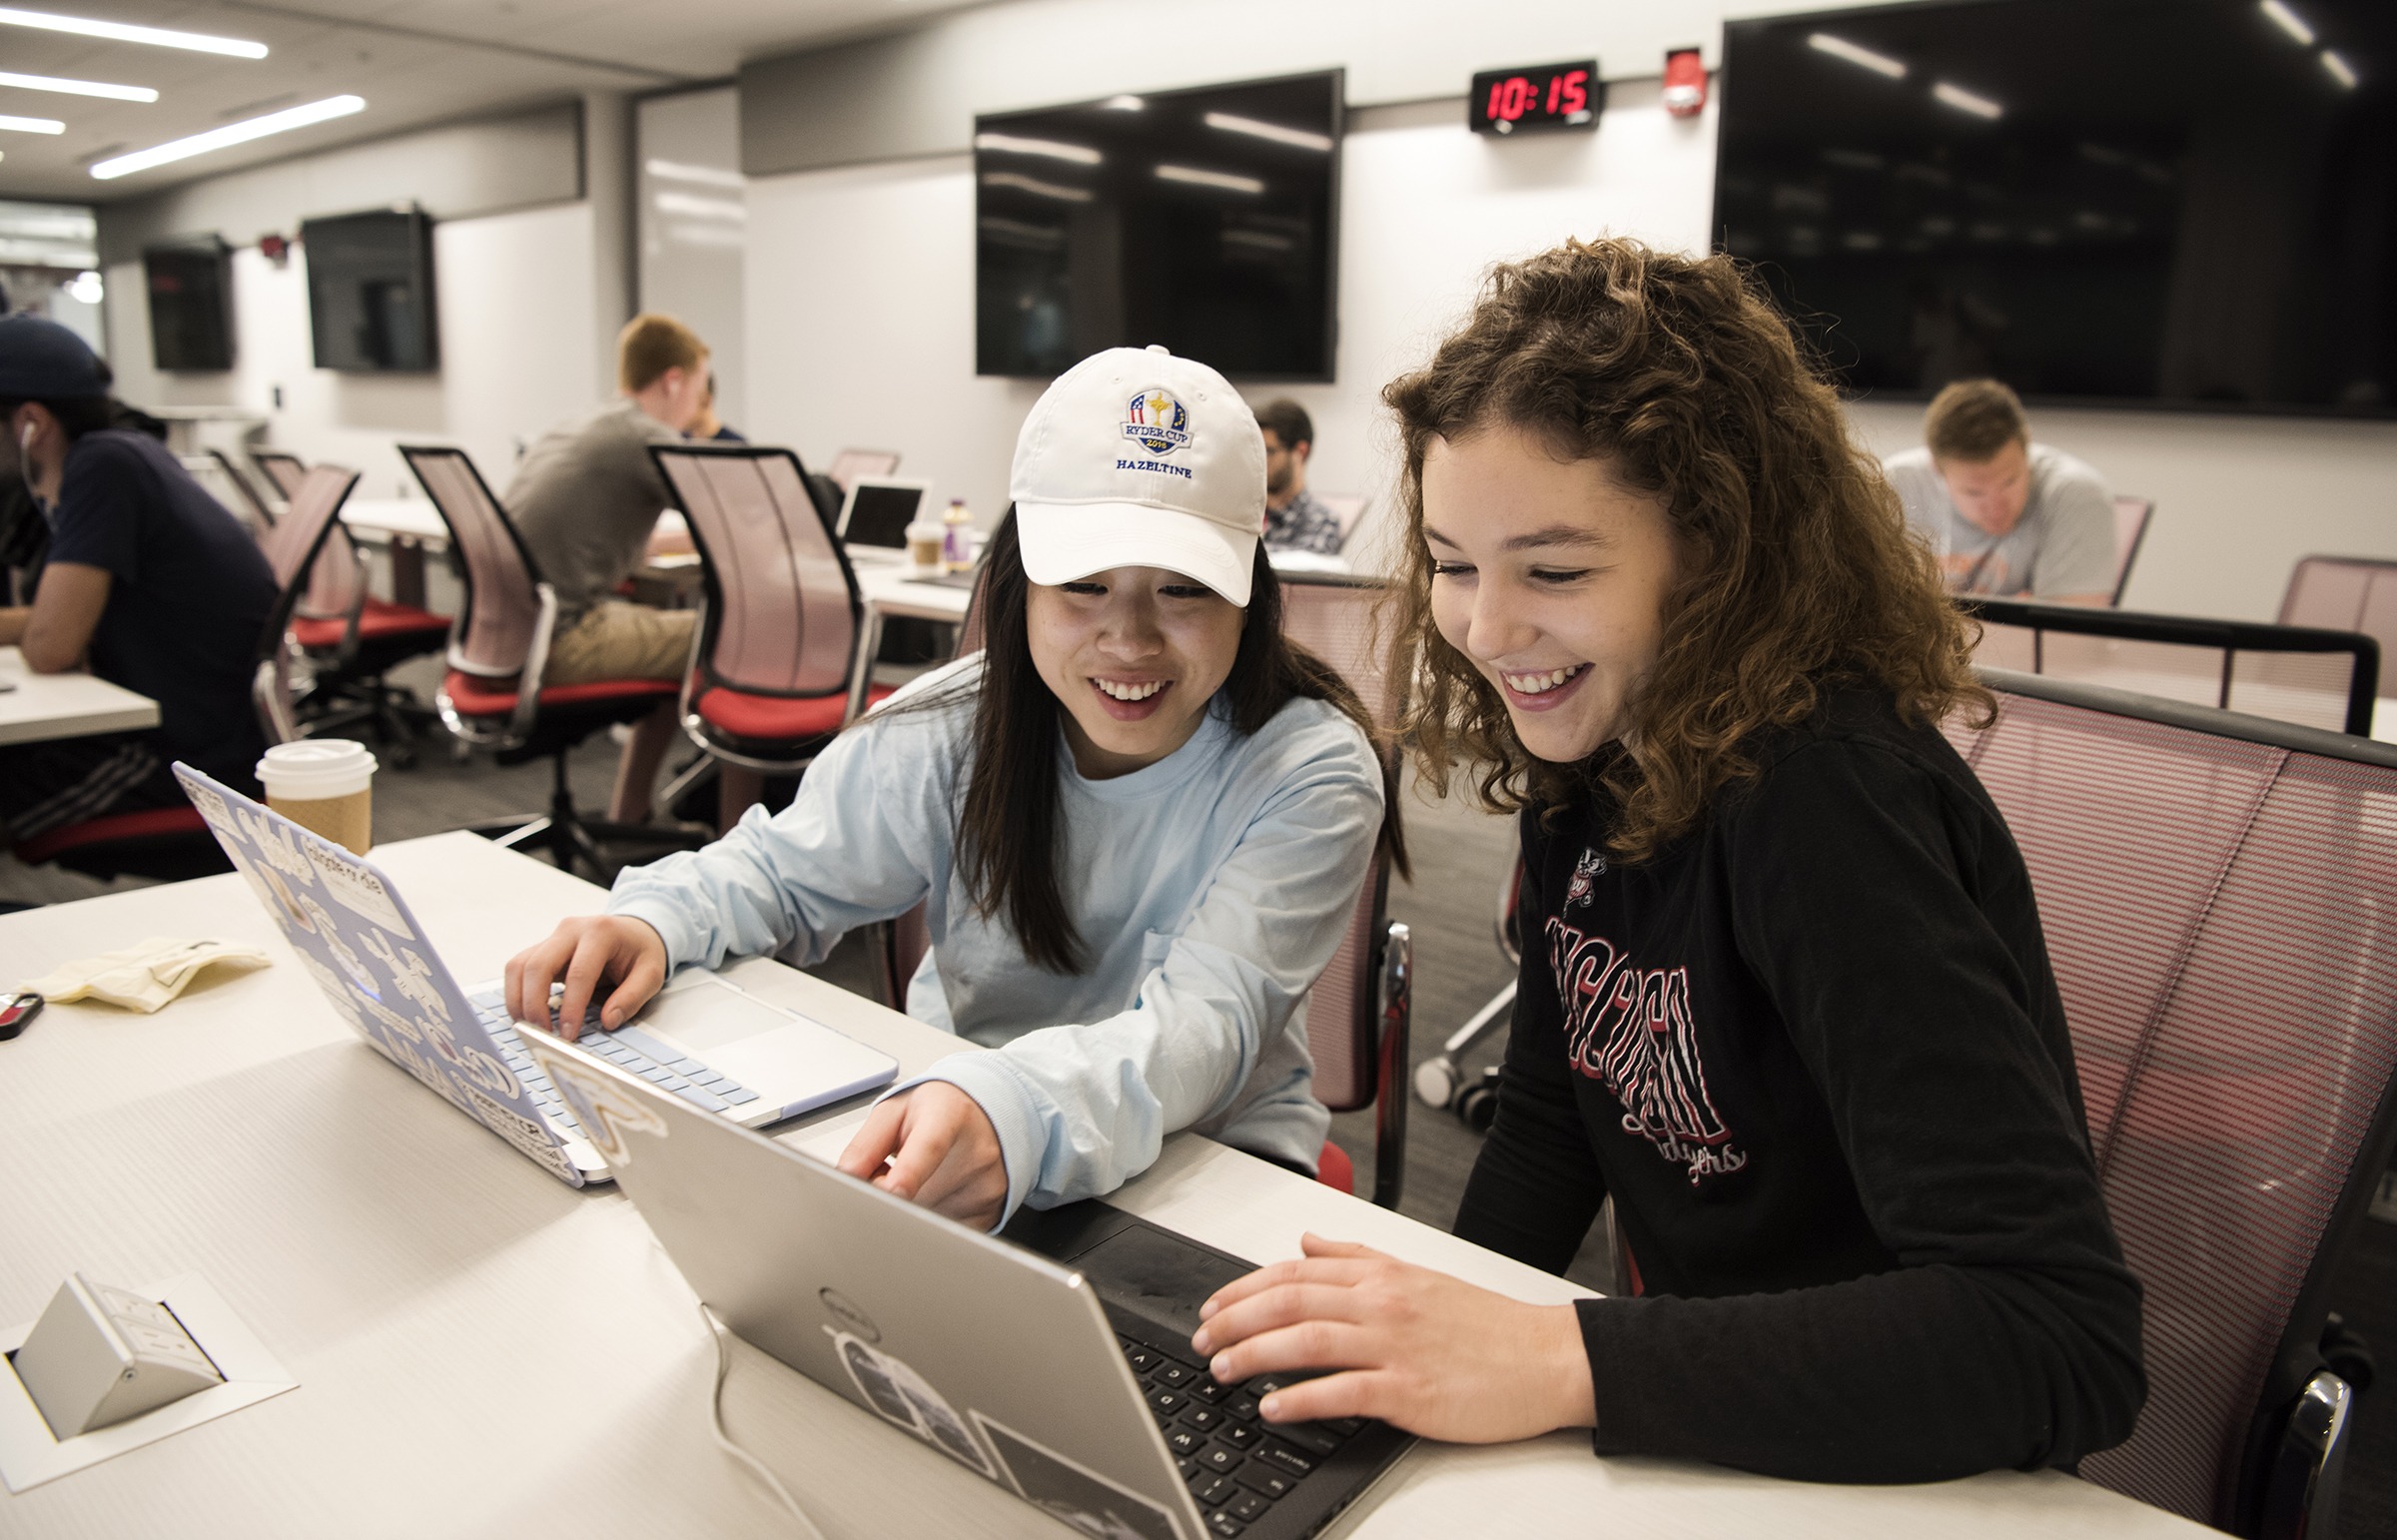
x: 1815, y: 1051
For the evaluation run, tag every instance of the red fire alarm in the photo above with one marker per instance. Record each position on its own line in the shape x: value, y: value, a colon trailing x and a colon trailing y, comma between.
x: 275, y: 249
x: 1685, y: 83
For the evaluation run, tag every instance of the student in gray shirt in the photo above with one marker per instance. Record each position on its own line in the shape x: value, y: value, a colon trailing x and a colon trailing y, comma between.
x: 585, y: 497
x: 2008, y: 517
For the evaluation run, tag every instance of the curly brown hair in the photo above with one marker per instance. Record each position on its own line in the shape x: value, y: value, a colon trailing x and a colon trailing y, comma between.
x: 1796, y: 566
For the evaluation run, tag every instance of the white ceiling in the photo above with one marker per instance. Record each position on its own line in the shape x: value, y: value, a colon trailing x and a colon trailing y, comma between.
x: 415, y: 62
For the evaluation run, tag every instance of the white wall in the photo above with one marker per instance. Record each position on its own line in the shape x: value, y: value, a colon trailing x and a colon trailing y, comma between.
x: 515, y: 301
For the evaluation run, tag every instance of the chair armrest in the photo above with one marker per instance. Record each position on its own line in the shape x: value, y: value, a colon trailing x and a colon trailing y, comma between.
x: 536, y: 663
x: 2302, y: 1488
x: 861, y: 666
x: 1395, y: 1014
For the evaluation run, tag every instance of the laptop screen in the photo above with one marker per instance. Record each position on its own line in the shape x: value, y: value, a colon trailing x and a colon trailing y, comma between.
x: 879, y: 514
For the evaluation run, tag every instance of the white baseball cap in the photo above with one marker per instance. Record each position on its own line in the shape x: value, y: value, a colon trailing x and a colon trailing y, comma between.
x: 1134, y: 457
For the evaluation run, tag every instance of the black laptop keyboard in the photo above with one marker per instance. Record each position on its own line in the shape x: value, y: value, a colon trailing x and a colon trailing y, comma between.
x: 1237, y: 1464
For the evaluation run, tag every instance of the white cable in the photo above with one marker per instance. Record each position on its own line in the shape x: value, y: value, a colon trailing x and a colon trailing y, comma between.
x: 716, y: 1417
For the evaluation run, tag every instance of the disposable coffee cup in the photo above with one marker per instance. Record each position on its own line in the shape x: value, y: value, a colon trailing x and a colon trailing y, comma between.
x: 325, y: 786
x: 924, y: 542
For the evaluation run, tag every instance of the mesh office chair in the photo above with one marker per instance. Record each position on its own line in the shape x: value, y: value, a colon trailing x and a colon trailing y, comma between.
x: 1360, y: 1011
x: 284, y: 470
x: 2131, y: 516
x: 259, y: 514
x: 785, y: 646
x: 2344, y: 593
x: 849, y: 465
x: 296, y: 549
x: 2315, y: 678
x: 2215, y: 888
x: 492, y: 695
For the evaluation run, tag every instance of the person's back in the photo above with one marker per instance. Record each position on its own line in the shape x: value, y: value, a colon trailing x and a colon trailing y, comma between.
x: 2006, y: 517
x: 585, y: 497
x: 190, y: 598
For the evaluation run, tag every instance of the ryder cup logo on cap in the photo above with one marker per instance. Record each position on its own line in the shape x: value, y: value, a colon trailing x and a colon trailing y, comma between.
x: 1136, y: 457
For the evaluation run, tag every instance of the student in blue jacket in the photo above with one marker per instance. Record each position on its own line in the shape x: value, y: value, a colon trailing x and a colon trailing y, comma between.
x: 1138, y: 822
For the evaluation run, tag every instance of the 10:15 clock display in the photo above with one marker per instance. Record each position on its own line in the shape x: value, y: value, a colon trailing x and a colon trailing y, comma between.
x: 1547, y: 96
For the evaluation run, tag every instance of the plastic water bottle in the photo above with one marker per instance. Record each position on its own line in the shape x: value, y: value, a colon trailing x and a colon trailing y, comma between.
x: 957, y: 536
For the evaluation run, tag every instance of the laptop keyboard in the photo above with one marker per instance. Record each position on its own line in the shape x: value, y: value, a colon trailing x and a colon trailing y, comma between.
x: 1237, y: 1464
x: 628, y: 1048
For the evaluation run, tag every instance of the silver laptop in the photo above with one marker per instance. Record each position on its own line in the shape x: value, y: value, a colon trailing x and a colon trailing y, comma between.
x: 1054, y: 1360
x: 875, y: 515
x: 719, y: 1049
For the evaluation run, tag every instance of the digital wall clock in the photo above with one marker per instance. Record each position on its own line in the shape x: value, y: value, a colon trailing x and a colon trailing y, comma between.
x: 1542, y: 97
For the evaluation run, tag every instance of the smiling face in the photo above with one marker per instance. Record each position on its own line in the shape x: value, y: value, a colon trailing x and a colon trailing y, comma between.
x: 1551, y: 579
x: 1135, y: 653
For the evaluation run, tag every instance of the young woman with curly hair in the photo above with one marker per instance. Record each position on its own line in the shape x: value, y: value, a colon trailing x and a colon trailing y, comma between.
x: 1784, y: 991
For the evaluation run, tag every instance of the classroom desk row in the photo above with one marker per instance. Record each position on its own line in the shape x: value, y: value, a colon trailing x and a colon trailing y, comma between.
x: 481, y: 1351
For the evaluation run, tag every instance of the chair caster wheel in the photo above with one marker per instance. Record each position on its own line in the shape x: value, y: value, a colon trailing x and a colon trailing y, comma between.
x: 1478, y: 1103
x: 1435, y: 1081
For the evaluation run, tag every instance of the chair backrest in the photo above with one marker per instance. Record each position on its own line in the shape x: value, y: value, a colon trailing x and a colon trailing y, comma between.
x: 2344, y: 593
x: 495, y: 631
x: 300, y: 543
x: 251, y: 502
x: 2215, y: 892
x: 784, y: 615
x: 849, y: 465
x: 2315, y: 678
x: 284, y: 471
x: 2130, y: 527
x: 1333, y: 617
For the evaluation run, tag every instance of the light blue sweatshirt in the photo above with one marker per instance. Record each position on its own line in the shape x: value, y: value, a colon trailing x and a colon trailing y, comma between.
x: 1208, y: 889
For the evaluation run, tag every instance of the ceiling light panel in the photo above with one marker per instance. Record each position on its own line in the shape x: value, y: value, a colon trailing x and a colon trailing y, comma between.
x: 78, y: 87
x: 120, y: 32
x: 231, y: 133
x: 31, y: 125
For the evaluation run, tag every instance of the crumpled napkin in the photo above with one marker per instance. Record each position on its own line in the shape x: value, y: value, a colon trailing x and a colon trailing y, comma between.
x: 144, y: 976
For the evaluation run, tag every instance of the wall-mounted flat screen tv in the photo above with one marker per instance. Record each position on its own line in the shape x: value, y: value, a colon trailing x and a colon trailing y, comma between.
x: 2178, y: 202
x: 1206, y: 220
x: 369, y: 291
x: 190, y: 304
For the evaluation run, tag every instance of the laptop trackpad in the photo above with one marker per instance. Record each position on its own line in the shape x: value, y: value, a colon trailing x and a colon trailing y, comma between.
x: 705, y: 1018
x: 1156, y: 1276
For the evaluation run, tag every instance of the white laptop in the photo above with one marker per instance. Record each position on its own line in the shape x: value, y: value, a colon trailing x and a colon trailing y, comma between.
x: 875, y: 515
x: 708, y: 1042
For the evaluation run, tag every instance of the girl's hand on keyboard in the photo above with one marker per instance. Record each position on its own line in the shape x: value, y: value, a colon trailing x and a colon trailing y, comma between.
x: 586, y: 952
x: 1417, y: 1348
x: 933, y: 1145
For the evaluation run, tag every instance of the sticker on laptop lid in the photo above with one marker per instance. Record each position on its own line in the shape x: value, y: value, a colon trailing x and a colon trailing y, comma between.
x: 358, y: 890
x: 1072, y: 1492
x: 605, y: 1108
x: 905, y: 1399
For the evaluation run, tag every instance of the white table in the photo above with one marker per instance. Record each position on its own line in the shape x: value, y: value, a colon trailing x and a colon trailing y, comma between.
x: 2384, y: 719
x: 35, y: 708
x: 890, y: 589
x: 483, y: 1353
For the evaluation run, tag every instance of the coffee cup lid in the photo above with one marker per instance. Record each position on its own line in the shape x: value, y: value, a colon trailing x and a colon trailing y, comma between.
x: 317, y: 768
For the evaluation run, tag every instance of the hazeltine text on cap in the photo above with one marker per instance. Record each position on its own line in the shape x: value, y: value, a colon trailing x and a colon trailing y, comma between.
x: 43, y: 361
x: 1134, y: 457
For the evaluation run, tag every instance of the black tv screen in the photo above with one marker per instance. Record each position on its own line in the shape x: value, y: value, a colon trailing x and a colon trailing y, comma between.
x: 1206, y: 220
x: 369, y: 291
x: 190, y: 304
x: 2183, y: 203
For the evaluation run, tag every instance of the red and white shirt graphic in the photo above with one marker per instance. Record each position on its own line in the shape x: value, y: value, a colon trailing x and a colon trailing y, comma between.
x: 1629, y: 1029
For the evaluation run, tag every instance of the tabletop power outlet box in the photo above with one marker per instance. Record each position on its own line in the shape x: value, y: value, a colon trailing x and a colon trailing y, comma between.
x: 101, y: 1354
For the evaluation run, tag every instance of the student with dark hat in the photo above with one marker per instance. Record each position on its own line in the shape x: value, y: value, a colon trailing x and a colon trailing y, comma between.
x: 149, y: 583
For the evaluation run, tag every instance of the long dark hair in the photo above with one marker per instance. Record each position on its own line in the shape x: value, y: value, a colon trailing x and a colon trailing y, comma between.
x: 1008, y: 822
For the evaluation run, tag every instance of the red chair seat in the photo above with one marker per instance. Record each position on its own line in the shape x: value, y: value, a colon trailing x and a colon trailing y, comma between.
x: 471, y: 696
x: 381, y: 619
x: 776, y: 718
x: 147, y: 823
x: 1333, y: 1169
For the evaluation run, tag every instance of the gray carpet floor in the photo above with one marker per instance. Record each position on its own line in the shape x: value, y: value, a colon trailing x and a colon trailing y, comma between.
x: 1461, y: 856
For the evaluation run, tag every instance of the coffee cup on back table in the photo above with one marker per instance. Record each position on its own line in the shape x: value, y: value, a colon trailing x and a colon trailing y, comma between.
x: 924, y: 539
x: 324, y: 785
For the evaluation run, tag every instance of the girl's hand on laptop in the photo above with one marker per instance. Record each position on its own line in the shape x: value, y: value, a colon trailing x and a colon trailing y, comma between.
x: 933, y: 1145
x: 1417, y: 1348
x: 586, y: 952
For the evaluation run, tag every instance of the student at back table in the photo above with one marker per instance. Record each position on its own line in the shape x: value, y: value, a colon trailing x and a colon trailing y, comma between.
x: 147, y: 577
x: 585, y: 497
x: 2006, y: 517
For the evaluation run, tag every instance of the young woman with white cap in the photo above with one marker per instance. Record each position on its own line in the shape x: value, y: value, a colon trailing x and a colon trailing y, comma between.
x: 1138, y: 821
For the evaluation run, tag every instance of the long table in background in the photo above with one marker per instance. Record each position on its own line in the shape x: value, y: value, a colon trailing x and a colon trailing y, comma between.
x: 35, y: 708
x: 482, y: 1351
